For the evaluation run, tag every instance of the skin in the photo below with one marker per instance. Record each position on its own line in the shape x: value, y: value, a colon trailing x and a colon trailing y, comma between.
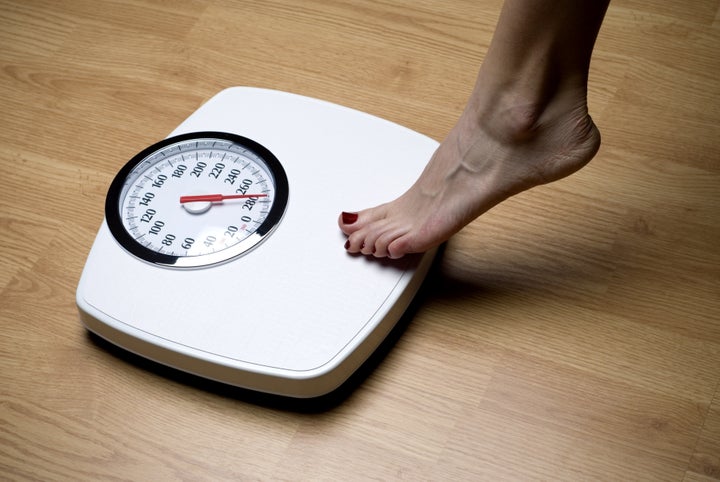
x: 526, y: 123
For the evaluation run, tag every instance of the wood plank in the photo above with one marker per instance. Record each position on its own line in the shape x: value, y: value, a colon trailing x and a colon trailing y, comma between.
x: 571, y: 333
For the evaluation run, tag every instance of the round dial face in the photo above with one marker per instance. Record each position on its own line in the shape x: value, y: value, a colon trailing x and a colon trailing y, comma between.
x: 197, y: 199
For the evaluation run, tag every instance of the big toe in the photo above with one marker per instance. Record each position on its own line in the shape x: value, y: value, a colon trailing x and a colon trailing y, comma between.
x: 347, y: 222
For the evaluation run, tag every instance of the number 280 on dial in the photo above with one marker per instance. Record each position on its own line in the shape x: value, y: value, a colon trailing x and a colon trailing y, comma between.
x: 197, y: 199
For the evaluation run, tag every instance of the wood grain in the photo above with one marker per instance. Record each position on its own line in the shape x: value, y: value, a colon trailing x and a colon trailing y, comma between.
x: 572, y: 333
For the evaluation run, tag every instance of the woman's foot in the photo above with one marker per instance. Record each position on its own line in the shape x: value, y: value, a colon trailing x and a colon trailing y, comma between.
x: 490, y: 155
x: 526, y: 124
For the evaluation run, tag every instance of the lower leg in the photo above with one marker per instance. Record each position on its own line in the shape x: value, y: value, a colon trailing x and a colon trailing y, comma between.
x: 526, y: 123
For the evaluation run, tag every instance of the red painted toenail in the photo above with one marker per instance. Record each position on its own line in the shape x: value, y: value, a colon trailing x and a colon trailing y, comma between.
x: 349, y: 218
x: 347, y: 244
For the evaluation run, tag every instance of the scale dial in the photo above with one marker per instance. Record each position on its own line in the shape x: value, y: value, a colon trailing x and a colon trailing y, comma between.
x: 197, y: 199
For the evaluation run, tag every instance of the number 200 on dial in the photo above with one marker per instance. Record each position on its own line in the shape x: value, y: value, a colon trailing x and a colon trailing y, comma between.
x: 197, y: 199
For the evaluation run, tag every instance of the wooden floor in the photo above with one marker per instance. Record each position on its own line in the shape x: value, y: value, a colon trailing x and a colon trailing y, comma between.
x: 572, y: 333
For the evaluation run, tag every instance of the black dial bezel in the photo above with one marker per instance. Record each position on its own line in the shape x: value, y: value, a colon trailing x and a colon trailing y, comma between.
x: 113, y: 203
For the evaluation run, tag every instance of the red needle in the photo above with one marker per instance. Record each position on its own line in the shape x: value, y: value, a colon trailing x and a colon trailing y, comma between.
x: 216, y: 198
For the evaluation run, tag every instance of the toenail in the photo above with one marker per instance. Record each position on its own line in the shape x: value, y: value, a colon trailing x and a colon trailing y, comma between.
x: 347, y: 244
x: 349, y: 218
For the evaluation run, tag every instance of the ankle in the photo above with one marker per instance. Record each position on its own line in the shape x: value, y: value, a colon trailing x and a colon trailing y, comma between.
x: 514, y: 122
x: 512, y: 117
x: 509, y: 121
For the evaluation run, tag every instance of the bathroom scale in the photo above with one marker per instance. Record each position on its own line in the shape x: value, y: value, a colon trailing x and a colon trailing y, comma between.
x: 220, y: 255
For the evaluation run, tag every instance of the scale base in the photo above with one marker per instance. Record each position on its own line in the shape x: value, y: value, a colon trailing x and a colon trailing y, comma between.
x: 297, y: 316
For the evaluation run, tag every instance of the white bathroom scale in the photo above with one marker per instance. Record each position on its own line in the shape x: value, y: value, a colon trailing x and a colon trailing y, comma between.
x: 220, y: 254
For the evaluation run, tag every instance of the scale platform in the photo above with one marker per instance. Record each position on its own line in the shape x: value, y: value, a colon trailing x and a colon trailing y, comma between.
x: 297, y: 315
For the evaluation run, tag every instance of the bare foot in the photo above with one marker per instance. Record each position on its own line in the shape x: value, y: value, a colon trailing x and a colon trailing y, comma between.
x: 485, y: 159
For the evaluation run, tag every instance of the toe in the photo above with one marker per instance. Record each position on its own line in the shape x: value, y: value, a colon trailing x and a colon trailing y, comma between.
x: 399, y: 247
x: 348, y: 218
x: 355, y: 243
x: 347, y: 221
x: 368, y: 246
x: 384, y: 240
